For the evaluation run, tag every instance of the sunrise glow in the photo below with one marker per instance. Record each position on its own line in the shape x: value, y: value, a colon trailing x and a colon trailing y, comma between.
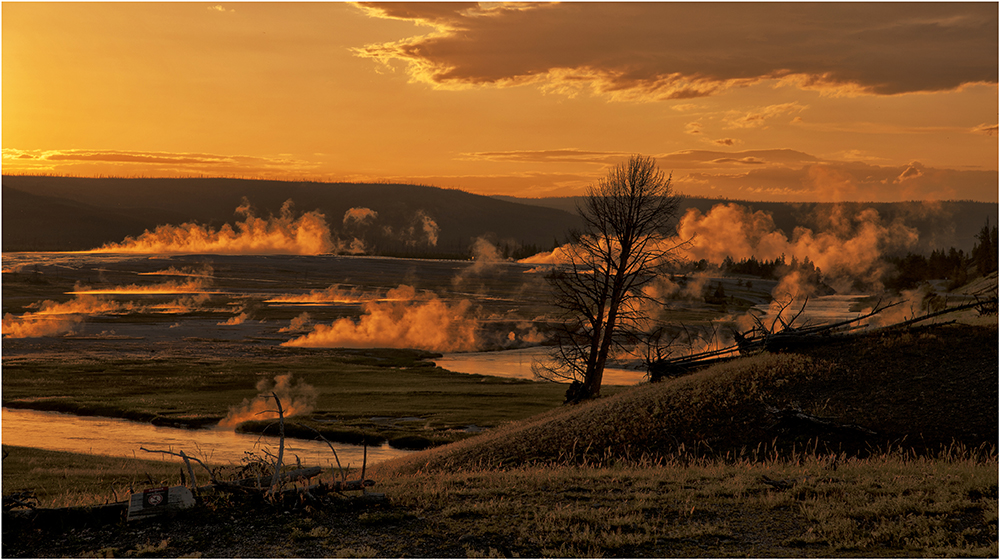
x: 874, y: 102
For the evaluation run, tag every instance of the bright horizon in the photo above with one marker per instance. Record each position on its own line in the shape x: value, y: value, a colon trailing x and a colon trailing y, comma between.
x: 764, y: 102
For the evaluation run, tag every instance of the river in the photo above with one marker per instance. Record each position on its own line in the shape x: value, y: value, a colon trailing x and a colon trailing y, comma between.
x: 122, y: 438
x: 517, y: 364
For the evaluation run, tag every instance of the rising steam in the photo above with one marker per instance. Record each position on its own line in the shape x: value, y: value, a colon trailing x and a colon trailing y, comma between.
x: 850, y: 246
x: 307, y: 234
x: 297, y: 398
x: 333, y: 294
x: 485, y: 258
x: 191, y: 286
x: 359, y: 216
x: 405, y: 320
x: 53, y: 318
x: 298, y: 324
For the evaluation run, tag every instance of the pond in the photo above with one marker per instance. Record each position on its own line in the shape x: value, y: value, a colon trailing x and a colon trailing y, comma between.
x: 122, y: 438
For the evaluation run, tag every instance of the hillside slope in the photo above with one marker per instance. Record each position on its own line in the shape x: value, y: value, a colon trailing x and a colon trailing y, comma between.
x: 64, y: 213
x: 921, y: 389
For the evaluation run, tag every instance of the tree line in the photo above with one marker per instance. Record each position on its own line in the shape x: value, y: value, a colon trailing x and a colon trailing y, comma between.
x: 953, y: 265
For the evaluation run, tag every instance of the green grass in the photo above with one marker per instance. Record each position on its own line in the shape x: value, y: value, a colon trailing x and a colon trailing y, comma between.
x: 352, y: 386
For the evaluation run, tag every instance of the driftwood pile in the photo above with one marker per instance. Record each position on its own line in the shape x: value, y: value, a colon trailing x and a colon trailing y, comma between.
x: 783, y: 335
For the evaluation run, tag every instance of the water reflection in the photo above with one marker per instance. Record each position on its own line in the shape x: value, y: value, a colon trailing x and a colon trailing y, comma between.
x: 121, y: 438
x: 517, y: 364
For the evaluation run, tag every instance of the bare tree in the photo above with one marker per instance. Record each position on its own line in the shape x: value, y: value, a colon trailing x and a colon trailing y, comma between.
x: 625, y: 239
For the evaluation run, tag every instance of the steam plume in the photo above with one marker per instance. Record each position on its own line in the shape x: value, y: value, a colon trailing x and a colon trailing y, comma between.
x: 306, y: 235
x: 205, y: 271
x: 359, y: 216
x: 192, y: 286
x: 54, y: 318
x: 298, y: 324
x: 426, y: 323
x: 485, y: 256
x: 849, y: 246
x: 297, y: 398
x: 333, y: 294
x: 234, y: 320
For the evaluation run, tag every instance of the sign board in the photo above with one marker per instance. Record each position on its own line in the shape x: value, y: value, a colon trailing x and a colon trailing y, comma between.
x: 157, y: 501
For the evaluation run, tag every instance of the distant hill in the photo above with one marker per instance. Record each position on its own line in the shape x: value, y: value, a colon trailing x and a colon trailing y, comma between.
x: 71, y: 214
x: 68, y: 214
x: 942, y: 225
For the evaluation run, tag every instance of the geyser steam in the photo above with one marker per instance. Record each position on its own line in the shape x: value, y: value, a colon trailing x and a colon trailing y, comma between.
x: 307, y: 234
x: 406, y: 320
x: 297, y: 398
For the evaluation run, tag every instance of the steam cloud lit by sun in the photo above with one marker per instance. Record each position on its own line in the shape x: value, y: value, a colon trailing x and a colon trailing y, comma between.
x: 407, y: 320
x: 297, y: 398
x: 307, y: 234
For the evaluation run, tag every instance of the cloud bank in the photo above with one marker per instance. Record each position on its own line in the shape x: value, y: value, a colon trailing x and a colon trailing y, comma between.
x: 660, y: 51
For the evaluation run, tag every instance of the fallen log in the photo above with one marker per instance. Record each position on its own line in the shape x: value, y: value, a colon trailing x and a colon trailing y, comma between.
x: 760, y: 339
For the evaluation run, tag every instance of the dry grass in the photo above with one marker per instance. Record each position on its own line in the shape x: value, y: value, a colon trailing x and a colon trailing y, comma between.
x: 688, y: 468
x: 820, y: 505
x: 924, y: 391
x: 67, y: 479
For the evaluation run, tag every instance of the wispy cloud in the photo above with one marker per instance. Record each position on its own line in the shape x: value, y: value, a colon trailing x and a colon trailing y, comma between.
x: 547, y: 156
x: 758, y: 117
x: 660, y: 51
x: 987, y: 129
x: 726, y: 141
x: 160, y: 163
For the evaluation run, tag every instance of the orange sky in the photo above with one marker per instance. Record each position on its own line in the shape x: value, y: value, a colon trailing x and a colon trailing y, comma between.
x: 802, y: 102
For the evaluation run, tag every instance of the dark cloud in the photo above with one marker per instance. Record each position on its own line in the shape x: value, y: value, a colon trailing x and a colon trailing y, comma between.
x: 681, y: 50
x: 744, y: 161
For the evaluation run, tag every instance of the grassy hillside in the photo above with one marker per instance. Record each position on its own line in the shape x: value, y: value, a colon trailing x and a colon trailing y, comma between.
x: 922, y: 390
x: 64, y: 213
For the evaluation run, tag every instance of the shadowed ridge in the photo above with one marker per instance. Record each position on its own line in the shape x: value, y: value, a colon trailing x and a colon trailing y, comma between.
x: 93, y: 203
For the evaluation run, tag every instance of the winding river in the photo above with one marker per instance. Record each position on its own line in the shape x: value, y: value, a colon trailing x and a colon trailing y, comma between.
x: 122, y: 438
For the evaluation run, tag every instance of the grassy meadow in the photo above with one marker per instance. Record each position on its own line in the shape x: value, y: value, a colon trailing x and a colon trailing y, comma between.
x: 351, y: 387
x: 699, y: 466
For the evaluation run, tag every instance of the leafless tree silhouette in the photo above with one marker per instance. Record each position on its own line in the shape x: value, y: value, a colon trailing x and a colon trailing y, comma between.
x: 626, y: 238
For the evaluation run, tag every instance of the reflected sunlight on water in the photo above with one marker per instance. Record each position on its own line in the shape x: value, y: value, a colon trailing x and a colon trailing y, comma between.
x: 517, y: 364
x: 121, y: 438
